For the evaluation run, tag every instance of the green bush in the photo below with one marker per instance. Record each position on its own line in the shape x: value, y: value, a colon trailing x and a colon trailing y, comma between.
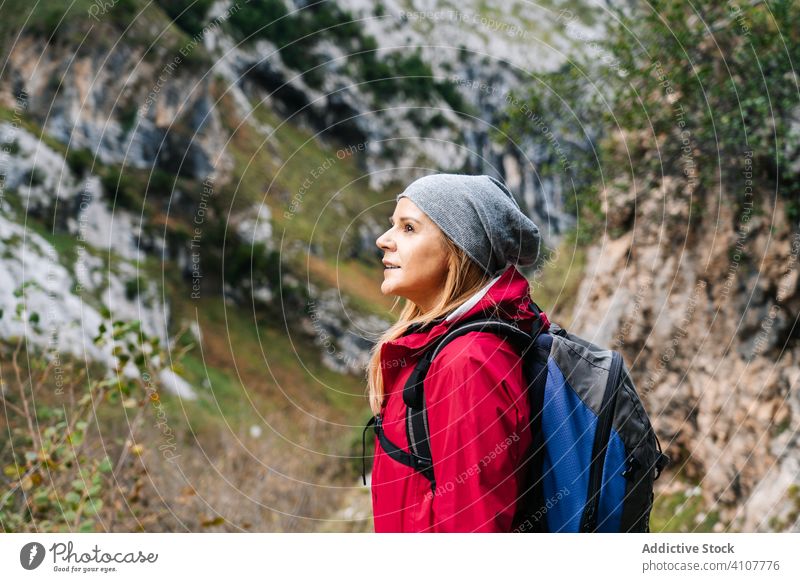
x: 296, y: 35
x: 290, y: 34
x: 161, y: 183
x: 34, y: 177
x: 251, y: 262
x: 261, y: 19
x: 80, y: 161
x: 190, y: 15
x: 451, y: 95
x: 559, y: 115
x: 688, y: 102
x: 122, y: 188
x: 133, y: 287
x: 59, y: 474
x: 723, y: 76
x: 11, y: 148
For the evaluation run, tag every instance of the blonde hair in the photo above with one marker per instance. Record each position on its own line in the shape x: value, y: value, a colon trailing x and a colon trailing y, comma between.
x: 464, y: 278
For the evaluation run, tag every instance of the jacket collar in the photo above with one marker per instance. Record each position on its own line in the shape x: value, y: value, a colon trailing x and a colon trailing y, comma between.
x: 509, y: 293
x: 465, y: 307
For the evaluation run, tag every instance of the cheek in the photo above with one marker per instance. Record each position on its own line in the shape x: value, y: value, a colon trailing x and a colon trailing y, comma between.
x: 423, y: 254
x: 431, y: 260
x: 437, y: 252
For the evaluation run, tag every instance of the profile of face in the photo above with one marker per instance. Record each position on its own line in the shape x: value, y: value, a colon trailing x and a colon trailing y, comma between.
x: 415, y: 256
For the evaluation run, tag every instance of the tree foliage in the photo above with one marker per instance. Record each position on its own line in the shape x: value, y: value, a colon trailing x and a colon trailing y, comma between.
x: 703, y: 92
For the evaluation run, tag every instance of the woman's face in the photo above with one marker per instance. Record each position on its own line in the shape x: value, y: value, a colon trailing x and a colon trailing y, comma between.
x: 415, y: 245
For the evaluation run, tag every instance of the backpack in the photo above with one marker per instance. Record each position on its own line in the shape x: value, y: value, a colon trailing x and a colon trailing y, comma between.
x: 594, y: 455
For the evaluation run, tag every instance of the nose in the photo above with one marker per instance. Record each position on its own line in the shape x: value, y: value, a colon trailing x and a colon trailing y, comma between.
x: 384, y: 241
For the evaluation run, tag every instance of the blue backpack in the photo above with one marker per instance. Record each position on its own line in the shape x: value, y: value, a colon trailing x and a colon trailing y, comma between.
x: 594, y: 455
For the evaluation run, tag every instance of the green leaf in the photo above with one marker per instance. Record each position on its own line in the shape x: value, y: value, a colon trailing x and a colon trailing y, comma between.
x: 12, y: 471
x: 42, y: 497
x: 107, y: 382
x: 94, y: 506
x: 125, y: 388
x: 73, y: 498
x: 105, y: 465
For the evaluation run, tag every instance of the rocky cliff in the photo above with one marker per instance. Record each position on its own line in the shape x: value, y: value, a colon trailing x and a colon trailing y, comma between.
x: 139, y: 136
x: 206, y: 176
x: 703, y: 304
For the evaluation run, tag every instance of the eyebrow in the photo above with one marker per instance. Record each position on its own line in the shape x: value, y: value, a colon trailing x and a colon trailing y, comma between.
x: 391, y: 219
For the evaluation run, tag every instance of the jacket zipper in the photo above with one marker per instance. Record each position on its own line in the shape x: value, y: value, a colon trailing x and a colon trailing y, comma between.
x: 601, y: 443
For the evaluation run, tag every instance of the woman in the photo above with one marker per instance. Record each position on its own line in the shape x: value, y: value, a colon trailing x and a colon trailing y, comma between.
x: 450, y: 252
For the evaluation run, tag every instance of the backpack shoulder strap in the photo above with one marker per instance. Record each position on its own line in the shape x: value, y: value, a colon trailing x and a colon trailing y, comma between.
x: 417, y: 430
x: 413, y: 390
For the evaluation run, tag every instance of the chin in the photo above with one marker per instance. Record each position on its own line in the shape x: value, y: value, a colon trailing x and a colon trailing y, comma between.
x: 391, y: 290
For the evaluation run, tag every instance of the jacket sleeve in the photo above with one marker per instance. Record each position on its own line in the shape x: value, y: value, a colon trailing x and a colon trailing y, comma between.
x: 474, y: 394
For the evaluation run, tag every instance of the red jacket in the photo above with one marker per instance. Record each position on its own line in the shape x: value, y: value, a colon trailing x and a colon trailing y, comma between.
x: 478, y: 412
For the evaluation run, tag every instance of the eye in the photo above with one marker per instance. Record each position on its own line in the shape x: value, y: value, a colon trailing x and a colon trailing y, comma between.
x: 408, y: 226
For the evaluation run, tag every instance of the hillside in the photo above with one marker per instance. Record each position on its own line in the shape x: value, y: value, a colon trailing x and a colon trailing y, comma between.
x: 213, y: 188
x: 190, y: 192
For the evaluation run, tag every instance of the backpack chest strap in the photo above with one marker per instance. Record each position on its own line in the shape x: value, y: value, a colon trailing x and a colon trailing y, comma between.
x: 408, y: 458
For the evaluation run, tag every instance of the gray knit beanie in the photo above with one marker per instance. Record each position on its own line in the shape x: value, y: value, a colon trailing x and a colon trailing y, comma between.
x: 480, y: 215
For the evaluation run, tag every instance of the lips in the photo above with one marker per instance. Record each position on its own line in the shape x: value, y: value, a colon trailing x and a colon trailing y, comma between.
x: 388, y: 265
